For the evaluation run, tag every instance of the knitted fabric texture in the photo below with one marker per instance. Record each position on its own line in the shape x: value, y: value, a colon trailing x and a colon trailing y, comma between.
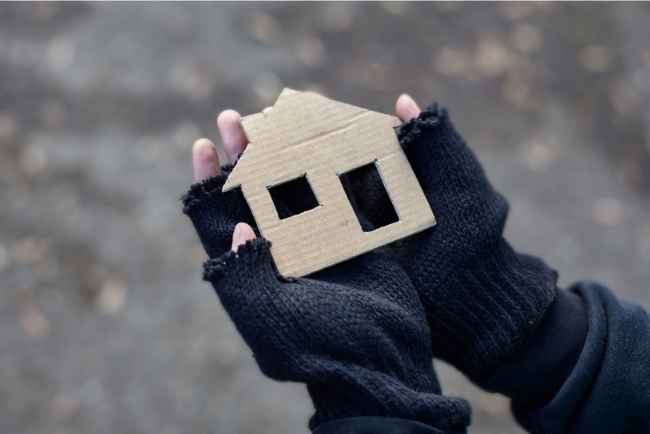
x: 482, y: 299
x: 356, y: 333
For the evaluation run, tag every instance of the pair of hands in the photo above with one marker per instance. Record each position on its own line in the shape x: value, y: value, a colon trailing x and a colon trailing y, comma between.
x: 362, y: 334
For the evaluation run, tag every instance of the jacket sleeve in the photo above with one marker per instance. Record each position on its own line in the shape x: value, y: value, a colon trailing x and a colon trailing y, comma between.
x: 608, y: 389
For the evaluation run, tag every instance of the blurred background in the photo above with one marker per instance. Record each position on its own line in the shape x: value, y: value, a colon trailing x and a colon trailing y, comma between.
x: 105, y: 324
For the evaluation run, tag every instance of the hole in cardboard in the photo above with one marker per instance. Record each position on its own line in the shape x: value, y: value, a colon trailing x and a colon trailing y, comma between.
x: 293, y: 197
x: 370, y: 200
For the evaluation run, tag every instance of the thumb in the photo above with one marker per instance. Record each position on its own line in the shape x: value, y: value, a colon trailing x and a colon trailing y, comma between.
x: 240, y: 235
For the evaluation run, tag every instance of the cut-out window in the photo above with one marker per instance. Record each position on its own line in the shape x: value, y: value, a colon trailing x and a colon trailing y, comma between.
x: 293, y: 197
x: 370, y: 200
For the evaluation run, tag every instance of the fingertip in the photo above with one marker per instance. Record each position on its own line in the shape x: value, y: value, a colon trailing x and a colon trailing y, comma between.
x: 228, y: 117
x: 241, y: 235
x: 203, y: 148
x: 232, y: 134
x: 205, y: 161
x: 406, y: 108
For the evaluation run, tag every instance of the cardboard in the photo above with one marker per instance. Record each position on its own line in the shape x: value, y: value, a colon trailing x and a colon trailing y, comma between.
x: 306, y: 134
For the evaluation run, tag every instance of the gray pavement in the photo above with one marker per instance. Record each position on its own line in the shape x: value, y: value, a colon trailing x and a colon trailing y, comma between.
x: 105, y: 324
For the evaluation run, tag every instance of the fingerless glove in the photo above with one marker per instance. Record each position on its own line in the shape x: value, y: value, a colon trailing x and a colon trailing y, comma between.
x: 482, y: 299
x: 356, y: 333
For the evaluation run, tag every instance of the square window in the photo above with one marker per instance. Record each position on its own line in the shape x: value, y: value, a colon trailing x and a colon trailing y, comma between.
x: 293, y: 197
x: 365, y: 190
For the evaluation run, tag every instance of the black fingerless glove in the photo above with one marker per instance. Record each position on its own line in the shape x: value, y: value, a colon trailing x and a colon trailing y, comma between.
x: 355, y: 333
x: 482, y: 299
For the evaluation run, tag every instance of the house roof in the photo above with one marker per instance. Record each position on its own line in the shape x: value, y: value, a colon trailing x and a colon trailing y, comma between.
x: 295, y: 118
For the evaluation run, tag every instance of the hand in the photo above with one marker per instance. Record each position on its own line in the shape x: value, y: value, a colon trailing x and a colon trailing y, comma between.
x: 355, y: 333
x: 481, y: 298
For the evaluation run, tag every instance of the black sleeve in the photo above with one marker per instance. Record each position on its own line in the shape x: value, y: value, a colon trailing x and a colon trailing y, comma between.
x: 608, y: 390
x: 601, y: 385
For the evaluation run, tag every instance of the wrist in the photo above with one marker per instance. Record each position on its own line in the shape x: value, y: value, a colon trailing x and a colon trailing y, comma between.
x: 551, y: 352
x: 486, y: 311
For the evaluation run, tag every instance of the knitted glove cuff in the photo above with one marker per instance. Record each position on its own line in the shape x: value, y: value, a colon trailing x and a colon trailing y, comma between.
x: 205, y: 190
x: 252, y: 255
x: 429, y: 119
x: 484, y: 313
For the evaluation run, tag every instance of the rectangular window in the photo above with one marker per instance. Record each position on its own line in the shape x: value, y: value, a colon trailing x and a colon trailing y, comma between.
x: 369, y: 198
x: 293, y: 197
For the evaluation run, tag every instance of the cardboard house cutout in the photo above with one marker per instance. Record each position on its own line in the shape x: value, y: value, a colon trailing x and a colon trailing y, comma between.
x: 309, y: 139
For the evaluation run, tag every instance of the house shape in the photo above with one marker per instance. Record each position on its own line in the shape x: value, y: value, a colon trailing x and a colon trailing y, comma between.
x: 314, y: 140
